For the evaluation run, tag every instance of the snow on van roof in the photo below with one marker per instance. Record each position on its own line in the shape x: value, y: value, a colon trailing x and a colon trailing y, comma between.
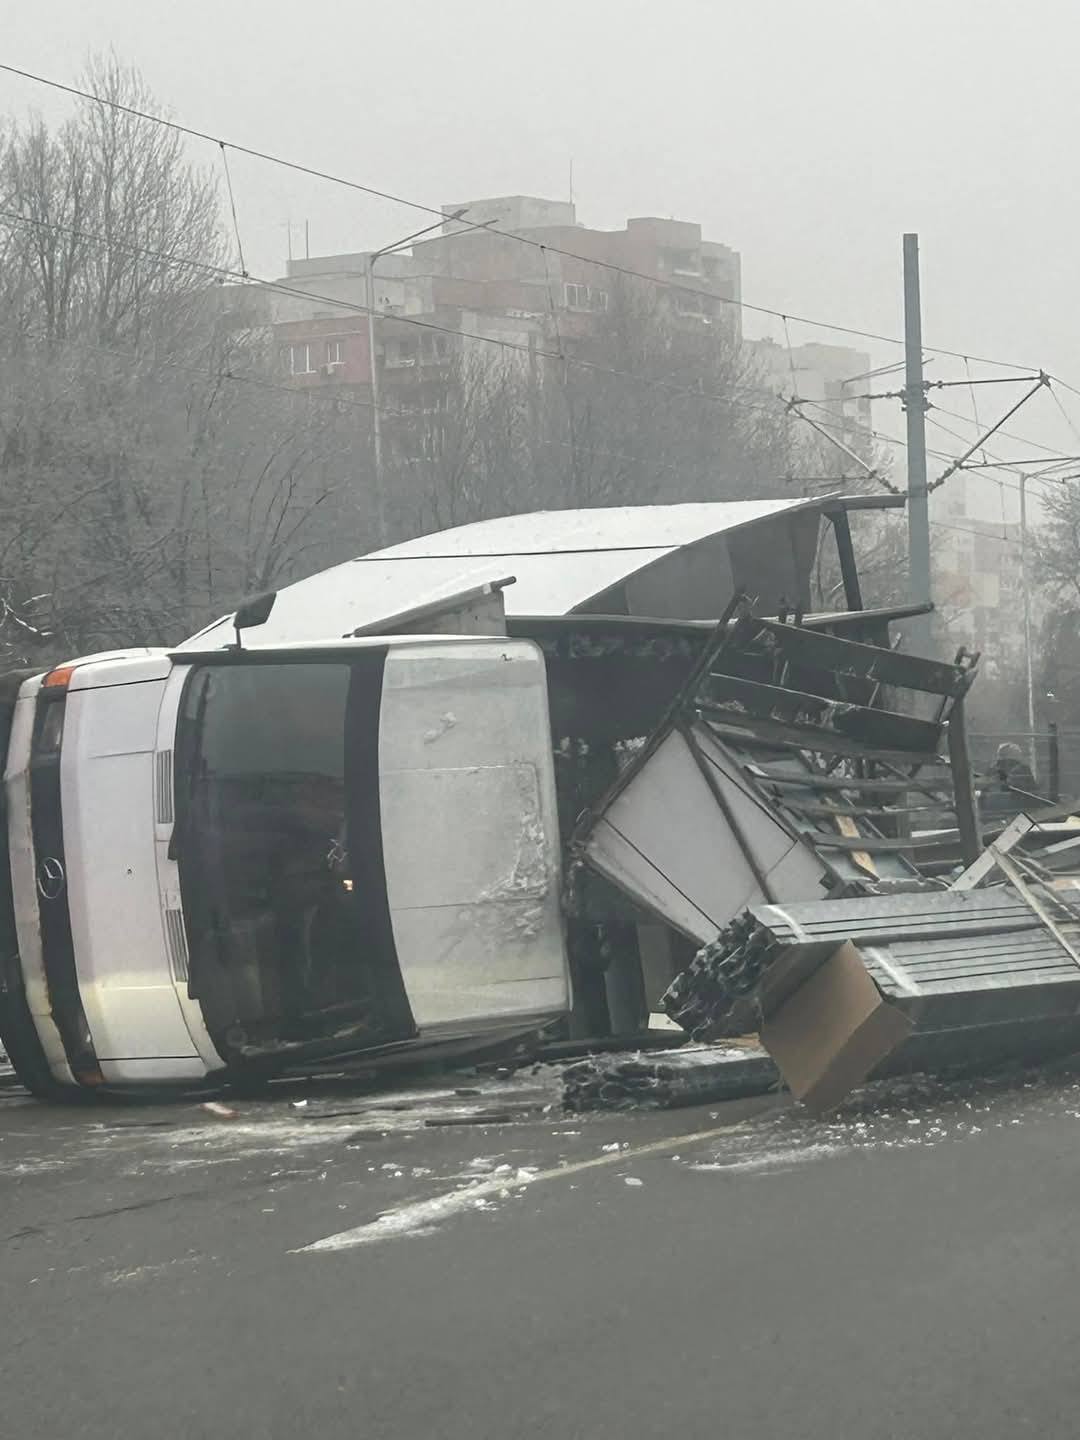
x: 570, y: 532
x: 561, y: 560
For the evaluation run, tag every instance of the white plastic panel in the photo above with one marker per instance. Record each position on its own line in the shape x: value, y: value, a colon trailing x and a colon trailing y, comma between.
x: 470, y: 832
x: 666, y: 842
x: 24, y: 882
x: 168, y: 875
x: 120, y: 667
x: 123, y: 963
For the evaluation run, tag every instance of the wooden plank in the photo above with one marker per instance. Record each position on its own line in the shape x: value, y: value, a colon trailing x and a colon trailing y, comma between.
x: 850, y: 830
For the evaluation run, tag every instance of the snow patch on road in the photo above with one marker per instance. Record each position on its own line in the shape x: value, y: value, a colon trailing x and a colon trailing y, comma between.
x: 149, y: 1272
x: 421, y: 1217
x: 770, y: 1160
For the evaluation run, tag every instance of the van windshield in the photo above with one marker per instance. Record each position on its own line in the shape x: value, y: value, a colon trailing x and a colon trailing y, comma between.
x: 279, y: 848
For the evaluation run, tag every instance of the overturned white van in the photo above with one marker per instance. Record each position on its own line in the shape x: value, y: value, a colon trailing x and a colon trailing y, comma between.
x: 345, y: 839
x: 229, y: 860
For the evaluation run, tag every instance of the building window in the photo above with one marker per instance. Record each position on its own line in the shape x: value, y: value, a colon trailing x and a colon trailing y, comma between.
x: 296, y: 359
x: 680, y: 262
x: 335, y: 354
x: 585, y: 297
x: 690, y: 305
x: 434, y: 349
x: 399, y: 353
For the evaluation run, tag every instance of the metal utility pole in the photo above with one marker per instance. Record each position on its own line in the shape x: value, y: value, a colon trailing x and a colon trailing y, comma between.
x: 915, y: 407
x: 376, y: 411
x: 1027, y: 615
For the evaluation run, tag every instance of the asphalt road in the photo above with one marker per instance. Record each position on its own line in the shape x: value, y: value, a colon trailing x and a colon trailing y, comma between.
x: 908, y: 1270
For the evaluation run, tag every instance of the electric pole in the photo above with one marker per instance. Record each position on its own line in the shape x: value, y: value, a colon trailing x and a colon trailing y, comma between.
x: 915, y: 407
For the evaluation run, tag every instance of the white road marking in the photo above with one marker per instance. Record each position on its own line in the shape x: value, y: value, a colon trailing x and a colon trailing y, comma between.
x: 419, y: 1216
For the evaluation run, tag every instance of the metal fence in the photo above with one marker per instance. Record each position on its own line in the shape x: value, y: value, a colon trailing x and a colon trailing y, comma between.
x: 1053, y: 755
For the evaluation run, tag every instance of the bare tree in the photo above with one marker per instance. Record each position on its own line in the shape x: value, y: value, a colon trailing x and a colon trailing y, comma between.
x: 106, y: 209
x: 153, y: 468
x: 658, y: 406
x: 447, y: 460
x: 1057, y: 546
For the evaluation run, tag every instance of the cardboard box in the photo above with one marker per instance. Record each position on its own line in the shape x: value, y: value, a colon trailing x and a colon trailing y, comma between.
x: 830, y: 1033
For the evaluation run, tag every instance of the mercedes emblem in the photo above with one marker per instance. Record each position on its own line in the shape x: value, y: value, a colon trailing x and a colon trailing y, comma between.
x: 50, y: 878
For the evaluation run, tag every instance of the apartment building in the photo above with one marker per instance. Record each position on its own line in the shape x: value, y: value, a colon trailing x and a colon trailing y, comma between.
x: 834, y: 382
x: 530, y: 275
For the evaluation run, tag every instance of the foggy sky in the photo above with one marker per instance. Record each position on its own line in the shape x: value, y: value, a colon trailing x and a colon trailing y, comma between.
x: 809, y: 136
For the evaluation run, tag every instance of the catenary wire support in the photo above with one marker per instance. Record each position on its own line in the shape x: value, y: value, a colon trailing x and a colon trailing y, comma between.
x: 967, y: 384
x: 791, y: 360
x: 232, y: 207
x: 1042, y: 383
x: 975, y: 412
x: 794, y: 407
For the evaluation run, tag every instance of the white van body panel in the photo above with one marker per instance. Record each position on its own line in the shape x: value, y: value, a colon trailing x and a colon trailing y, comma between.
x: 471, y: 833
x: 107, y: 776
x: 470, y: 840
x: 168, y: 872
x: 24, y: 881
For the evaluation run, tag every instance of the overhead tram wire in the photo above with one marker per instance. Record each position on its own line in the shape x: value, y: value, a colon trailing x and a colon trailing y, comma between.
x: 979, y: 534
x: 949, y: 456
x: 221, y: 272
x: 1056, y: 459
x: 312, y: 396
x: 1006, y: 434
x: 468, y: 225
x: 204, y: 373
x: 335, y: 401
x: 1069, y: 421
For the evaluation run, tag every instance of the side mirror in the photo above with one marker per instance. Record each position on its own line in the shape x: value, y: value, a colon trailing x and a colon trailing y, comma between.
x: 255, y: 611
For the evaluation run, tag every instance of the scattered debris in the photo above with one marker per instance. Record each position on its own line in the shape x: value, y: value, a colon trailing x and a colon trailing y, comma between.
x: 789, y: 778
x: 478, y: 1117
x: 836, y: 987
x: 789, y: 794
x: 223, y: 1112
x: 691, y: 1076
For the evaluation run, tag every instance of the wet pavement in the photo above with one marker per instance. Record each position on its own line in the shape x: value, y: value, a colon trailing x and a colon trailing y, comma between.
x: 330, y: 1262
